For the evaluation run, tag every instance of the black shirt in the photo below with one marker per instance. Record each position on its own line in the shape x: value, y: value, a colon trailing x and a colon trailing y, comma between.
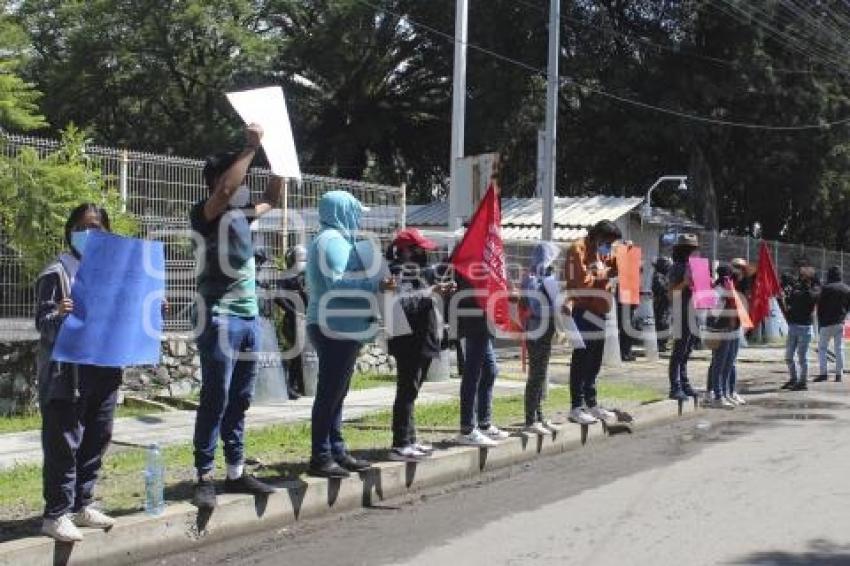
x: 420, y: 311
x: 833, y: 304
x: 800, y: 301
x: 677, y: 274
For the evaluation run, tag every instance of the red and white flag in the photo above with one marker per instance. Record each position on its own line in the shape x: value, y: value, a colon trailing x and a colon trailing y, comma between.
x: 480, y: 259
x: 765, y: 287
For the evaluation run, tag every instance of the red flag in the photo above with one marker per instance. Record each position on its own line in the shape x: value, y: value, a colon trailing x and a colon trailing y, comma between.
x: 765, y: 286
x: 480, y: 259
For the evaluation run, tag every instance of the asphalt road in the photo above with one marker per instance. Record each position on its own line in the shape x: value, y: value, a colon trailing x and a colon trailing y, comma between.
x: 764, y: 484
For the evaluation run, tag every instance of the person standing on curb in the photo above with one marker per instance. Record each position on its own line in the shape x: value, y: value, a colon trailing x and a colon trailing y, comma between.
x: 833, y: 306
x: 413, y: 351
x: 683, y: 317
x: 589, y: 269
x: 727, y: 325
x: 661, y: 301
x: 228, y: 337
x: 339, y: 320
x: 799, y: 306
x: 541, y: 323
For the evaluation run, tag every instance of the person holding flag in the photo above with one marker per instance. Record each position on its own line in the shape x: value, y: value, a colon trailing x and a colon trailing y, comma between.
x: 590, y: 266
x: 482, y: 305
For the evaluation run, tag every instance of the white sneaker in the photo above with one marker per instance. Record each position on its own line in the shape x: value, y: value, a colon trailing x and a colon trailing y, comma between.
x: 738, y: 399
x: 722, y: 403
x: 603, y: 414
x: 475, y: 438
x: 495, y: 433
x: 426, y: 449
x: 731, y: 400
x: 582, y: 417
x: 406, y: 454
x: 91, y: 517
x: 551, y: 426
x: 62, y: 529
x: 538, y: 429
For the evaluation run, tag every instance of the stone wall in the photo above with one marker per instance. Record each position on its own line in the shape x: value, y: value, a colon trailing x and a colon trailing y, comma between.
x: 18, y: 383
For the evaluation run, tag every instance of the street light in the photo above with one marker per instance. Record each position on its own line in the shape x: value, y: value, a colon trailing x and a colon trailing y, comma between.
x: 646, y: 212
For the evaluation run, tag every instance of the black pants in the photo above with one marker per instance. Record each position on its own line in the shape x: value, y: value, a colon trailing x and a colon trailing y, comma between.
x: 625, y: 315
x: 586, y: 363
x: 662, y: 327
x: 412, y: 371
x: 74, y: 437
x: 682, y: 349
x: 295, y: 377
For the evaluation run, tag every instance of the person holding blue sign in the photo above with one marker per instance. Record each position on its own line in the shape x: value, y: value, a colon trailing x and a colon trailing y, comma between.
x: 77, y: 401
x: 227, y: 316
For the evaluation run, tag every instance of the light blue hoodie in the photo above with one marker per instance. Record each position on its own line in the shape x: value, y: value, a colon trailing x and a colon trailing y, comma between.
x: 334, y: 248
x: 544, y: 254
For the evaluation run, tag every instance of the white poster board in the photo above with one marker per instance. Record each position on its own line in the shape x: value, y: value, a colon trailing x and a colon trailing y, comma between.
x: 267, y: 107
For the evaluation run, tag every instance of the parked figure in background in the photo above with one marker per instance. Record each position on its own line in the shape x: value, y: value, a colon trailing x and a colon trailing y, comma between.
x: 661, y: 301
x: 77, y: 401
x: 539, y: 286
x: 833, y: 306
x: 293, y: 302
x: 798, y: 306
x: 625, y: 320
x: 271, y: 382
x: 417, y: 293
x: 589, y: 268
x: 722, y: 374
x: 339, y: 321
x: 683, y: 317
x: 229, y: 335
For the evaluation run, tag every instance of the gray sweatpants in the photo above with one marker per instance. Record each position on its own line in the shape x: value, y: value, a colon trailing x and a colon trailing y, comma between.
x: 539, y: 352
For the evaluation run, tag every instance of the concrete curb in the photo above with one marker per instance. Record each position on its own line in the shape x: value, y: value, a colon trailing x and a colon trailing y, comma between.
x: 139, y: 537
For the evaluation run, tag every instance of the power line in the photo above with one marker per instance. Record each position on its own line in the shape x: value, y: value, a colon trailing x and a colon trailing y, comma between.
x: 604, y: 93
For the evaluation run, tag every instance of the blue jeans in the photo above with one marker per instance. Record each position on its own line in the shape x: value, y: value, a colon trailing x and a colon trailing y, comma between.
x: 834, y: 334
x: 336, y: 366
x: 476, y: 384
x: 682, y: 349
x: 799, y: 338
x: 227, y: 348
x: 721, y: 373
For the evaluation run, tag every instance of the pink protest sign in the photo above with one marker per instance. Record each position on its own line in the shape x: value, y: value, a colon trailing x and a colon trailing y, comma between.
x: 704, y: 295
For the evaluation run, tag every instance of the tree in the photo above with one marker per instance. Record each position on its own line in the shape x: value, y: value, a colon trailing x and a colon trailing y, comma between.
x: 18, y: 98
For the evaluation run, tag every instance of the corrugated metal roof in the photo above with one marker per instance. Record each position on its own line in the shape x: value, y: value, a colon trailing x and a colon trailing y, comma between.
x: 559, y: 234
x: 432, y: 214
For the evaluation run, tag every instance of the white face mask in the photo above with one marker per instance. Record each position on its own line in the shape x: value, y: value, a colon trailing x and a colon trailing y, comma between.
x: 240, y: 198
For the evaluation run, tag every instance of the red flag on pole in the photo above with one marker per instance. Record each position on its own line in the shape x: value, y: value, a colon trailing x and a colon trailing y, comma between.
x: 765, y: 286
x: 480, y: 259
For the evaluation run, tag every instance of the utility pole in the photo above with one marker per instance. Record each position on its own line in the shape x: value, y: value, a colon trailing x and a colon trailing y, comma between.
x: 551, y: 118
x: 458, y: 109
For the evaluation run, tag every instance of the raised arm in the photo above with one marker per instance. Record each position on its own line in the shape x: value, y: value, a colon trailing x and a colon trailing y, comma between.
x: 271, y: 196
x: 233, y: 178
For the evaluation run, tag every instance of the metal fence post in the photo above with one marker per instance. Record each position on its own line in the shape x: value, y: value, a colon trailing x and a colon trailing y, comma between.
x: 122, y: 179
x: 403, y: 206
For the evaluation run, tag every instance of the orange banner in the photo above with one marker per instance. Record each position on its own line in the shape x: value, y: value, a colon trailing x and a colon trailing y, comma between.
x: 743, y: 315
x: 628, y: 274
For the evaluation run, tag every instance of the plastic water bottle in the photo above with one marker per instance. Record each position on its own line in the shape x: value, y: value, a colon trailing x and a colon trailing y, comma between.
x: 154, y: 481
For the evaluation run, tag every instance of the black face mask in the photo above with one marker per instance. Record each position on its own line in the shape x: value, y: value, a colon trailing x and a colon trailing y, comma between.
x: 419, y: 259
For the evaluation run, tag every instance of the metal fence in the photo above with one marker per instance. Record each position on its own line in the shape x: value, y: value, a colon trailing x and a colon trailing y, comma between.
x: 159, y: 191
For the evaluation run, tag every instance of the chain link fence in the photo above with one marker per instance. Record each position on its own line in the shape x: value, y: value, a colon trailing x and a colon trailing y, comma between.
x: 159, y: 191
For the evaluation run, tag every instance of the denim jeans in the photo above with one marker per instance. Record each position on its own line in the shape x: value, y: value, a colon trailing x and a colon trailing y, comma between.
x: 227, y: 348
x: 74, y: 437
x: 835, y: 334
x: 682, y: 349
x: 539, y: 353
x: 799, y: 338
x: 586, y: 362
x: 337, y: 358
x: 721, y: 372
x: 476, y: 384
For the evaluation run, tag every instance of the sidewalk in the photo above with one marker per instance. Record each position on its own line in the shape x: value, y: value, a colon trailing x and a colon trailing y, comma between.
x: 175, y: 427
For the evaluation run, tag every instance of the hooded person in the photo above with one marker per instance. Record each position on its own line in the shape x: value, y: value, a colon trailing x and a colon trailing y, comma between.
x: 684, y: 317
x: 538, y: 286
x: 340, y: 318
x: 833, y: 306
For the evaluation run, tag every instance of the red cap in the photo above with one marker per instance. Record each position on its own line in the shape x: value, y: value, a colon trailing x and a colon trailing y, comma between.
x: 412, y: 237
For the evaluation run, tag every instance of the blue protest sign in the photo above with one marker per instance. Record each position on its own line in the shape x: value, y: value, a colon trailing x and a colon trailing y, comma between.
x: 118, y: 294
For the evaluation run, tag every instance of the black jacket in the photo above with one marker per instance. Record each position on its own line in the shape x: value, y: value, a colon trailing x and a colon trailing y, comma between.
x: 833, y: 304
x: 420, y: 311
x: 800, y: 301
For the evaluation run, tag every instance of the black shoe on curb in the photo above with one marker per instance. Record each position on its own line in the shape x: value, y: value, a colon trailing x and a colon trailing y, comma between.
x: 330, y: 470
x: 204, y: 495
x: 689, y: 391
x: 352, y: 464
x: 837, y: 379
x: 820, y: 378
x: 790, y: 384
x: 246, y: 483
x: 801, y: 386
x: 678, y: 396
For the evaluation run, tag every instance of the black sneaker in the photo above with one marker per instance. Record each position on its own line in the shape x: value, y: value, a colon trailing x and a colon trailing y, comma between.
x: 330, y: 470
x: 689, y: 391
x: 246, y: 483
x: 678, y: 396
x: 801, y: 386
x: 790, y: 384
x: 820, y: 378
x: 204, y: 496
x: 837, y: 378
x: 352, y: 464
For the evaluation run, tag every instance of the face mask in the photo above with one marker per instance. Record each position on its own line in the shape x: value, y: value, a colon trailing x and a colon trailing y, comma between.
x: 604, y: 249
x: 240, y: 198
x: 78, y: 240
x: 419, y: 259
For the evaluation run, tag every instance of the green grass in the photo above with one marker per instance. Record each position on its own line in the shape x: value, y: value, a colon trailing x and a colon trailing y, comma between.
x: 372, y: 380
x: 283, y: 449
x: 32, y: 421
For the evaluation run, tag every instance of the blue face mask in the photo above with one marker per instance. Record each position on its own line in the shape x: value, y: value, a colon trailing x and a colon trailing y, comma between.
x: 604, y: 249
x: 79, y: 239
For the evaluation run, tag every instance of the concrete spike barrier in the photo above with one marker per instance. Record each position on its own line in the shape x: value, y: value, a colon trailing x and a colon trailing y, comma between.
x: 139, y: 537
